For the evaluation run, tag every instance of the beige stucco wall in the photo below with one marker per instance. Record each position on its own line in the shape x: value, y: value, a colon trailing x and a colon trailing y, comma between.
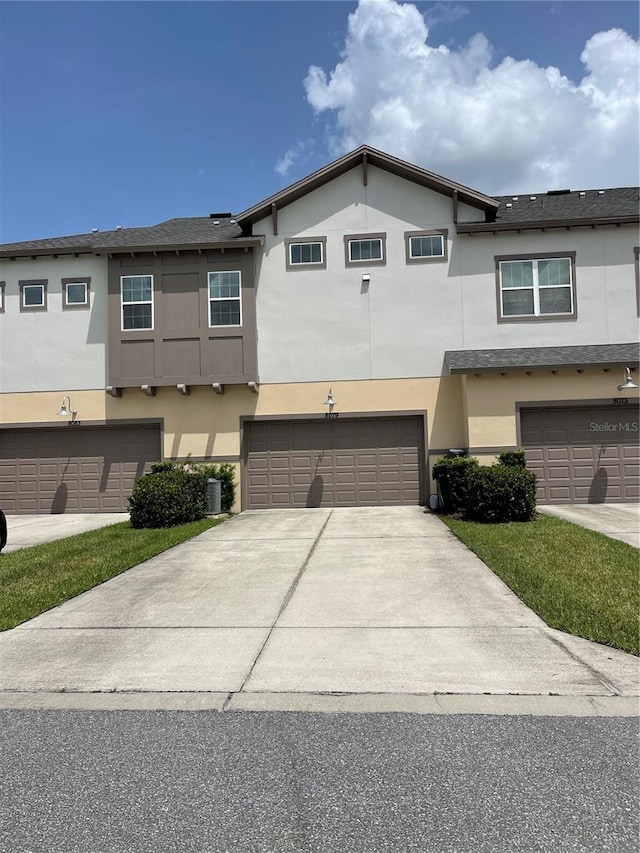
x: 491, y: 399
x: 205, y: 424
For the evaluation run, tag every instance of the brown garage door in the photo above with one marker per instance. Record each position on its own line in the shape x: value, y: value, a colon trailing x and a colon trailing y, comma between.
x: 583, y: 455
x: 360, y: 462
x: 69, y: 469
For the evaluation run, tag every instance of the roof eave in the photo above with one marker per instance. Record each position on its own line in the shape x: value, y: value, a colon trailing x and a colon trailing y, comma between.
x: 12, y: 254
x: 103, y: 250
x: 240, y: 242
x: 541, y: 224
x: 533, y: 368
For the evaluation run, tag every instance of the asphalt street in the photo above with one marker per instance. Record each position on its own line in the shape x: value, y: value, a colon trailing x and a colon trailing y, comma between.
x: 101, y: 782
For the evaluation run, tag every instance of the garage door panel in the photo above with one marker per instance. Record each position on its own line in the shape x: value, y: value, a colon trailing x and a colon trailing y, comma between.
x: 599, y: 442
x: 584, y: 472
x: 580, y: 453
x: 348, y: 460
x: 368, y: 461
x: 78, y: 470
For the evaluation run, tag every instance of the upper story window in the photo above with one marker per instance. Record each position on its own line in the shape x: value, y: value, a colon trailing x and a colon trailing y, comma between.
x: 368, y: 249
x: 137, y: 301
x: 308, y: 253
x: 75, y: 293
x: 225, y: 300
x: 424, y: 246
x: 540, y: 286
x: 33, y: 295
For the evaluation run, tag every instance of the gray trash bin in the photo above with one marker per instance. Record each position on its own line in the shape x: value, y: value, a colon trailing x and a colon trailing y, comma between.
x: 214, y: 496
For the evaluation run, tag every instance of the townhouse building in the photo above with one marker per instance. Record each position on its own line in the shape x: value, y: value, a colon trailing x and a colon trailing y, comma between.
x: 331, y: 342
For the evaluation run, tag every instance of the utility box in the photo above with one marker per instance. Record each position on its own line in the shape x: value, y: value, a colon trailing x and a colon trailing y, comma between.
x: 214, y: 496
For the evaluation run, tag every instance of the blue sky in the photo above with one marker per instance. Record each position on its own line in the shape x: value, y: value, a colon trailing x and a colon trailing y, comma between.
x: 132, y: 113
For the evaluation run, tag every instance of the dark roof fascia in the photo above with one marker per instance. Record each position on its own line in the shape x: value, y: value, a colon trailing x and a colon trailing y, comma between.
x: 374, y: 158
x: 539, y: 368
x: 541, y: 224
x: 240, y: 242
x: 119, y: 250
x: 12, y: 254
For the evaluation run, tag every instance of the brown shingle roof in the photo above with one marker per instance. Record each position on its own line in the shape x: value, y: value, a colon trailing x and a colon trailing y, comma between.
x: 184, y: 232
x: 526, y: 358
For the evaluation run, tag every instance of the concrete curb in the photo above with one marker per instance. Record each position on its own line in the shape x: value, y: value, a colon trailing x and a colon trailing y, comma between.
x: 359, y: 703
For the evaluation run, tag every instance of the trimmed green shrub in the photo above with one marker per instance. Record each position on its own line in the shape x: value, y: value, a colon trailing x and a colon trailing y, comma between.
x: 500, y: 493
x: 512, y: 459
x: 167, y: 465
x: 453, y: 480
x: 226, y: 473
x: 168, y: 497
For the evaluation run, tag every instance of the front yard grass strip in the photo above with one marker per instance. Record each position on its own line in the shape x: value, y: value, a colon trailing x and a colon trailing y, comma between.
x: 577, y: 580
x: 36, y: 579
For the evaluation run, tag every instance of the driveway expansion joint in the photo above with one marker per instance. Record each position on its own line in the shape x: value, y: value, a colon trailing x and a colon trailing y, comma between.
x: 594, y: 672
x: 285, y: 602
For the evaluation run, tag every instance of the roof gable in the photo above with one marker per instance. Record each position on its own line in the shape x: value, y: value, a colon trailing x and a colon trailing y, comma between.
x: 365, y: 156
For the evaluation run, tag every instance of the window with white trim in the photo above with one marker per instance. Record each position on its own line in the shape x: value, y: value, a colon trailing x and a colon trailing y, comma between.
x: 137, y: 301
x: 75, y: 293
x: 33, y: 295
x: 225, y: 298
x: 424, y: 246
x: 366, y: 249
x: 537, y: 287
x: 305, y: 253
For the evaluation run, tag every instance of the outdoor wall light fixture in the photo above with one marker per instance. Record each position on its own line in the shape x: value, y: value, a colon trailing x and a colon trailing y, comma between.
x: 628, y: 383
x: 330, y: 401
x: 67, y: 412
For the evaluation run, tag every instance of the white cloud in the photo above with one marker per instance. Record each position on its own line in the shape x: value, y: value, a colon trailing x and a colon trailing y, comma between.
x: 507, y: 128
x: 296, y: 155
x: 444, y: 13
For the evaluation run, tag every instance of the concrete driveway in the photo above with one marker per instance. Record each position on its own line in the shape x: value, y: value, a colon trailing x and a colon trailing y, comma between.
x: 27, y: 530
x: 345, y: 608
x: 619, y: 521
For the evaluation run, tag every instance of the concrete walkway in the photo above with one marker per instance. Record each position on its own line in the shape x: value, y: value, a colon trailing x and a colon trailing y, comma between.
x: 619, y: 521
x: 344, y: 609
x: 27, y: 530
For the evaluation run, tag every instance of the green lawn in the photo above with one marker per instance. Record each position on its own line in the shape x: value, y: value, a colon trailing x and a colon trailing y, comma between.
x: 575, y: 579
x: 36, y: 579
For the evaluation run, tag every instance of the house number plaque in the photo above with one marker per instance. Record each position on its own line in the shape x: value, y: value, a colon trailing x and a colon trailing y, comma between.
x: 331, y: 416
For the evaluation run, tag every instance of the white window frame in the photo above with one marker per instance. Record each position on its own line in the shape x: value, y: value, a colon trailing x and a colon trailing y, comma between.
x: 351, y: 239
x: 145, y: 302
x: 292, y: 263
x: 211, y: 299
x: 536, y: 287
x: 70, y: 306
x: 410, y: 236
x: 40, y: 306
